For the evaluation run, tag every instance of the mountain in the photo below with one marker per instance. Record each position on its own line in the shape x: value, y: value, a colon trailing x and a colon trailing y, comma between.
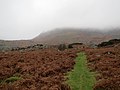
x: 71, y: 35
x: 115, y: 33
x: 65, y: 35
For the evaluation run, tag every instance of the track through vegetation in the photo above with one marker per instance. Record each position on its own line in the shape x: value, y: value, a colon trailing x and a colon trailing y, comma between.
x: 81, y: 78
x: 46, y: 69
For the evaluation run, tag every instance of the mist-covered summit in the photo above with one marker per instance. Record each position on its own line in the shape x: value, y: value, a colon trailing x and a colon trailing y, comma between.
x: 66, y: 35
x: 70, y: 35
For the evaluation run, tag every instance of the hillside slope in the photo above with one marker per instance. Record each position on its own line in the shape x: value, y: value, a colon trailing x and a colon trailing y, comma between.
x: 58, y: 36
x: 7, y: 45
x: 65, y: 35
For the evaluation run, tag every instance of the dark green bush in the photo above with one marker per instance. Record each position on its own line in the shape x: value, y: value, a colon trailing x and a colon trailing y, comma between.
x: 62, y: 47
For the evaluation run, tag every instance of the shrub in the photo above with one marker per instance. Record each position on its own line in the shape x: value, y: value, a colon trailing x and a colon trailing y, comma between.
x: 62, y: 47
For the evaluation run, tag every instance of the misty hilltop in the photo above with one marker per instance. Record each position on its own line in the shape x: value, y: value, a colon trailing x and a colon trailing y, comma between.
x: 72, y: 35
x: 66, y: 35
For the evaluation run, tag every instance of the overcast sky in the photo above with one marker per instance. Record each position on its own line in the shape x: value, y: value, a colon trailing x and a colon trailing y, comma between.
x: 25, y: 19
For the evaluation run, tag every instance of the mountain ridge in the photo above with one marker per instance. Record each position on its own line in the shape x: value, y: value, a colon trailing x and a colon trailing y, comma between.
x: 58, y: 36
x: 66, y: 35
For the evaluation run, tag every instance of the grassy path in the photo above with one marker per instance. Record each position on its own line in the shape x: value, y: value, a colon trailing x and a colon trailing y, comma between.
x: 81, y: 78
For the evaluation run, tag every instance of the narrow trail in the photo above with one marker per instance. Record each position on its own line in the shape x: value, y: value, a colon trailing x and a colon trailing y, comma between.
x: 80, y: 78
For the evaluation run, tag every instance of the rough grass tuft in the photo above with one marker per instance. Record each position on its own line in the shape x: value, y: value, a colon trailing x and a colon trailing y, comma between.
x: 11, y: 79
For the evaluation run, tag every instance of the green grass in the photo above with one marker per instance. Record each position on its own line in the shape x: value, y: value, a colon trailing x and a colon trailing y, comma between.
x: 80, y: 78
x: 10, y: 79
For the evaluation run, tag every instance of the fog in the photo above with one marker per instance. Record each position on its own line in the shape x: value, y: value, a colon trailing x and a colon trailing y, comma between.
x: 25, y: 19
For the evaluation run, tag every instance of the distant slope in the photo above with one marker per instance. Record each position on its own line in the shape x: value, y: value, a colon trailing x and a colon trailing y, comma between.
x: 7, y: 45
x: 115, y: 33
x: 67, y: 35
